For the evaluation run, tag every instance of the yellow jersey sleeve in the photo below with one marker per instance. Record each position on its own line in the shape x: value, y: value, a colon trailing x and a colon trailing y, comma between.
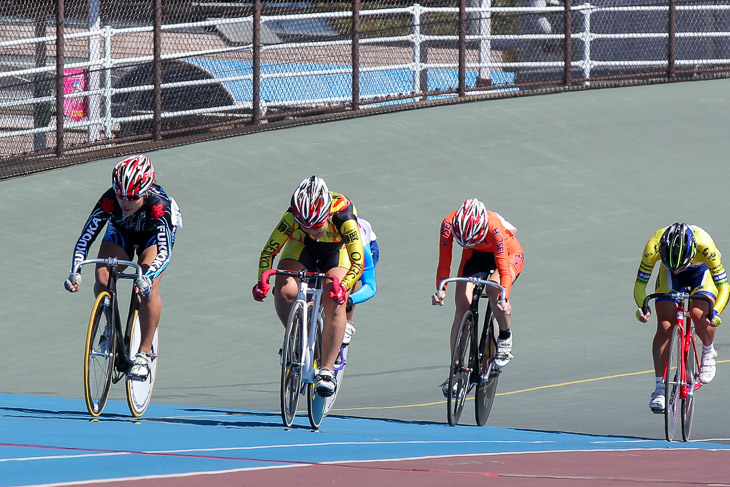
x: 648, y: 260
x: 708, y: 254
x: 353, y: 243
x: 276, y: 242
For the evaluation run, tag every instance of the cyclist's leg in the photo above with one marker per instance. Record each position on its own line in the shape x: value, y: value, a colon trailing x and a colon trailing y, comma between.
x: 294, y: 257
x: 335, y: 316
x: 462, y: 300
x: 150, y: 307
x: 706, y: 333
x: 107, y: 249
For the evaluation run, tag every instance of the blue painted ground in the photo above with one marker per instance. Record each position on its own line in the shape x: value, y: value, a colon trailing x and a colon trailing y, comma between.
x: 50, y: 440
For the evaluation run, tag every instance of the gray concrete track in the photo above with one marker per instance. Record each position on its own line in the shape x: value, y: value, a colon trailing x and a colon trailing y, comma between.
x: 586, y: 177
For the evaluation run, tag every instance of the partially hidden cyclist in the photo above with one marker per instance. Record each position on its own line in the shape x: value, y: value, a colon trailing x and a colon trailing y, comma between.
x: 319, y: 233
x: 489, y: 243
x: 689, y: 259
x: 367, y: 285
x: 140, y: 217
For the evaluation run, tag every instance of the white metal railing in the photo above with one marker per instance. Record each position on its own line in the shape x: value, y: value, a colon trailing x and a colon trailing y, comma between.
x: 101, y: 91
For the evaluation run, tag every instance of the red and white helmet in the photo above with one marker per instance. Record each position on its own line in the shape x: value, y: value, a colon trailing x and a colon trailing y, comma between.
x: 470, y: 224
x: 311, y: 202
x: 132, y: 177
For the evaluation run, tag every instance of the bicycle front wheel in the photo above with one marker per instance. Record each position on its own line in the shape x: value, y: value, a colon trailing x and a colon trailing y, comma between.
x: 139, y: 392
x: 673, y: 384
x: 316, y: 404
x: 692, y: 375
x: 99, y: 354
x: 291, y: 364
x: 488, y: 371
x: 460, y: 371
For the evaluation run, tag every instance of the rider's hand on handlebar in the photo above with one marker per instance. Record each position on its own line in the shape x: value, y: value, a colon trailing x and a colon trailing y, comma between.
x: 339, y: 294
x: 438, y: 298
x: 714, y: 318
x: 144, y: 285
x: 73, y: 282
x: 505, y: 307
x: 260, y: 290
x: 641, y: 316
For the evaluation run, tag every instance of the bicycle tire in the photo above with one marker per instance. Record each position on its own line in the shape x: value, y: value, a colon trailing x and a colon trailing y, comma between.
x: 291, y: 364
x: 339, y: 376
x: 99, y: 354
x: 672, y: 384
x: 460, y: 369
x: 139, y: 393
x: 488, y: 371
x: 692, y: 374
x: 316, y: 404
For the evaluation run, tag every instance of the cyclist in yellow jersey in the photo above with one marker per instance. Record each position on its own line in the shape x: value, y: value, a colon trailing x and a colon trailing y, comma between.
x: 318, y: 232
x: 691, y: 260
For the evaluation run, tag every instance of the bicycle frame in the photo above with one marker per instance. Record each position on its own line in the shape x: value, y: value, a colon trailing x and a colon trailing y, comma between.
x: 682, y: 385
x: 122, y: 345
x: 468, y: 368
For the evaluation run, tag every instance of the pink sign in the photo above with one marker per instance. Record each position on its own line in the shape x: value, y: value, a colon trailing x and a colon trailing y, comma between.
x: 74, y: 81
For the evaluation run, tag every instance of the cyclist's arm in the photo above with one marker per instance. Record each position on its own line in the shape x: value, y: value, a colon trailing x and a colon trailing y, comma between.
x: 375, y: 251
x: 93, y: 227
x: 498, y: 236
x: 368, y: 288
x: 649, y: 258
x: 708, y: 253
x: 164, y: 250
x: 446, y: 239
x: 351, y: 236
x: 276, y: 242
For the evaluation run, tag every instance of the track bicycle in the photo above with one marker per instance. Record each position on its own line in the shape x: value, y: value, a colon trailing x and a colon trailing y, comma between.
x: 109, y: 352
x: 682, y: 371
x: 300, y: 354
x: 472, y: 362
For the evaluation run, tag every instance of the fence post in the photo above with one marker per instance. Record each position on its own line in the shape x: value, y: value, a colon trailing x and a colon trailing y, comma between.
x: 42, y: 84
x: 256, y: 67
x: 60, y: 19
x: 485, y: 45
x: 568, y: 43
x: 672, y: 47
x: 462, y: 48
x: 157, y: 72
x: 355, y: 54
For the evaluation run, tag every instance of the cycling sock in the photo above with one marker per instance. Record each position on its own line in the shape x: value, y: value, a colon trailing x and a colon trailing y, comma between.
x: 659, y: 382
x: 708, y: 348
x: 505, y: 334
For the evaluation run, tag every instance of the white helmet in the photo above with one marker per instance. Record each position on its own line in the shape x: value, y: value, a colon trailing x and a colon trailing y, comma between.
x: 311, y: 202
x: 470, y: 224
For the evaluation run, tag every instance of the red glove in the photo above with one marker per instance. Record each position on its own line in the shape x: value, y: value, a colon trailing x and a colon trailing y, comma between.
x: 339, y: 294
x: 260, y: 291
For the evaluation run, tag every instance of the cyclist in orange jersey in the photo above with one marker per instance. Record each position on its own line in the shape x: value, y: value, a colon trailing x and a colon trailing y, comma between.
x: 318, y: 232
x: 489, y: 245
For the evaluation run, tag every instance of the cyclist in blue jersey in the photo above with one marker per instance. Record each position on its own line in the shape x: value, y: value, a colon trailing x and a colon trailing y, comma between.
x: 367, y: 283
x: 140, y: 218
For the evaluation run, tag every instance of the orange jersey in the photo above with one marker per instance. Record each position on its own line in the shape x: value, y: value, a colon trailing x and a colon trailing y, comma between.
x: 499, y: 241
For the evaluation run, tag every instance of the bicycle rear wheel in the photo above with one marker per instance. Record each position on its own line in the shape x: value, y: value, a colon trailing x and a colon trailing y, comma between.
x: 488, y: 371
x: 672, y: 384
x: 339, y: 372
x: 99, y: 354
x: 461, y: 368
x: 139, y: 393
x: 692, y: 375
x: 291, y: 364
x: 316, y: 404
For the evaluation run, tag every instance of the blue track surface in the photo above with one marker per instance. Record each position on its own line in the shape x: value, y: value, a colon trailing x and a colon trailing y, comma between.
x: 51, y: 440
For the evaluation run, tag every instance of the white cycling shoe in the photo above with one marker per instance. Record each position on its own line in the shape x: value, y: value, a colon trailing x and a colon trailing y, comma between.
x: 325, y: 383
x: 707, y: 372
x: 349, y: 331
x: 656, y: 404
x: 504, y: 349
x: 141, y: 367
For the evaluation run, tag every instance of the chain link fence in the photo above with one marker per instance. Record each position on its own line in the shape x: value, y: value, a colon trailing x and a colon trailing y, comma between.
x: 84, y: 79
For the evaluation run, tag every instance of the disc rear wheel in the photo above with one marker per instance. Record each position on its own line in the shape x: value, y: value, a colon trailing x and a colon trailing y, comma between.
x: 139, y: 392
x: 460, y: 370
x: 99, y: 354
